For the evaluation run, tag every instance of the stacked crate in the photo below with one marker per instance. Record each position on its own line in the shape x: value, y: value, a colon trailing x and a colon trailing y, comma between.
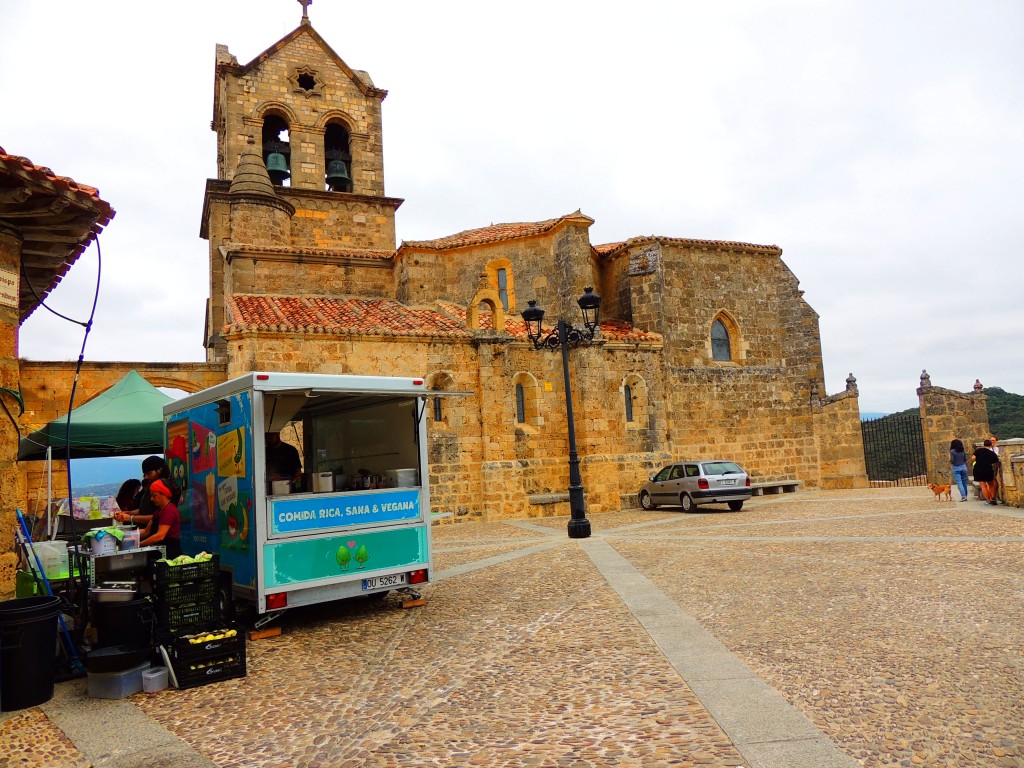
x: 198, y: 644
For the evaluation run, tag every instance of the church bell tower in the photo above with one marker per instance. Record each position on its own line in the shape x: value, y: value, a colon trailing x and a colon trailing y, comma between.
x: 305, y: 131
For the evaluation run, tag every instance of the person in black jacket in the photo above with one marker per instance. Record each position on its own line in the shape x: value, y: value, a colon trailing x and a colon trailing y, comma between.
x: 986, y: 465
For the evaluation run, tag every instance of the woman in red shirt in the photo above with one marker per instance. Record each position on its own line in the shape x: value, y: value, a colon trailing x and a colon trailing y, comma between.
x: 165, y: 527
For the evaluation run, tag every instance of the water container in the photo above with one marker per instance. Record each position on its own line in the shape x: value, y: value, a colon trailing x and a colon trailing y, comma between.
x: 132, y: 537
x: 54, y: 557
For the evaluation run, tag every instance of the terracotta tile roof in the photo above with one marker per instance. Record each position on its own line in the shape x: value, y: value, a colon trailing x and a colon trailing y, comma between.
x: 494, y: 233
x: 320, y: 314
x: 610, y: 248
x: 29, y: 170
x: 379, y: 317
x: 56, y: 217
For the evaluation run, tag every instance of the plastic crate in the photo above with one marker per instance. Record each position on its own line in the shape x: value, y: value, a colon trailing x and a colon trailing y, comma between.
x: 187, y: 592
x: 168, y: 574
x: 116, y: 685
x: 195, y: 672
x: 182, y: 649
x: 185, y: 617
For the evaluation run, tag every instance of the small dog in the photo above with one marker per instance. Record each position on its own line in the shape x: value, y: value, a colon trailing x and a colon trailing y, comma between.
x: 940, y: 490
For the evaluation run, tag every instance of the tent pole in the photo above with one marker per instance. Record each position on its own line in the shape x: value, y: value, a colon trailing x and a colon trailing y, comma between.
x: 51, y: 518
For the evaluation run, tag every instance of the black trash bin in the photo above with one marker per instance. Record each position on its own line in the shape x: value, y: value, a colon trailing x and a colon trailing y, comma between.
x: 28, y: 651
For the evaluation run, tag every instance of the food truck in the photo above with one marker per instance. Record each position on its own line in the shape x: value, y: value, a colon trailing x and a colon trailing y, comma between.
x: 357, y: 521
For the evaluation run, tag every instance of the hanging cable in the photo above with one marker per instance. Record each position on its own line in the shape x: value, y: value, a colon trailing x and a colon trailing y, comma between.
x: 74, y: 387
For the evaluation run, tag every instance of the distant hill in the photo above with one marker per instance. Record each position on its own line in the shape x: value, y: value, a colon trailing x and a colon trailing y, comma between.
x: 1005, y: 413
x: 869, y: 415
x: 102, y: 477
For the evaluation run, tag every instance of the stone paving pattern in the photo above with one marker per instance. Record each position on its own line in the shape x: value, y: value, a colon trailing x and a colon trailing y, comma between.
x: 894, y: 623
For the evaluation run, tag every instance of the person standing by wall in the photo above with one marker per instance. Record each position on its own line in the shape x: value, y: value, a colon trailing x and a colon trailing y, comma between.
x: 958, y: 463
x: 986, y: 464
x: 998, y: 479
x: 283, y: 462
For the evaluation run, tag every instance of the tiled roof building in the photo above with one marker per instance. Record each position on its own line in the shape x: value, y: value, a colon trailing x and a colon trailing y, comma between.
x: 705, y: 347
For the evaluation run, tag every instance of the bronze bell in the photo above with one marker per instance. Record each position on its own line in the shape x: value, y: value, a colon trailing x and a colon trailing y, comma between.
x: 337, y: 176
x: 277, y: 167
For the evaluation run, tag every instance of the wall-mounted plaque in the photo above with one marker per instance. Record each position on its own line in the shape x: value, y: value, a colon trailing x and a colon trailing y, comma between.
x: 8, y: 288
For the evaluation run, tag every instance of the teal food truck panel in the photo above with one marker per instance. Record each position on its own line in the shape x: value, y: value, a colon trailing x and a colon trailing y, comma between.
x: 294, y: 562
x: 210, y: 454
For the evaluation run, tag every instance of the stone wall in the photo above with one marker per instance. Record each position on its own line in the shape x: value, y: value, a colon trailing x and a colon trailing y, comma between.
x: 46, y: 387
x: 1011, y: 455
x: 841, y: 442
x: 756, y: 407
x: 10, y: 263
x: 947, y: 414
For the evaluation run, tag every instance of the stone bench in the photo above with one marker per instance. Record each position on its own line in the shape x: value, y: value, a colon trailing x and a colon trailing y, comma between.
x: 774, y: 486
x: 548, y: 498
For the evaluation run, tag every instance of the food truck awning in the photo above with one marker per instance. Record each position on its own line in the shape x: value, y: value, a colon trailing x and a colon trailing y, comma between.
x: 124, y: 420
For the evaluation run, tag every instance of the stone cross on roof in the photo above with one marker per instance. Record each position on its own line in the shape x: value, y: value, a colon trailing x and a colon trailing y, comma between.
x: 305, y: 10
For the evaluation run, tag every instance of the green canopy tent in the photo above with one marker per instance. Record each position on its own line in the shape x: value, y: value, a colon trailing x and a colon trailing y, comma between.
x: 125, y: 420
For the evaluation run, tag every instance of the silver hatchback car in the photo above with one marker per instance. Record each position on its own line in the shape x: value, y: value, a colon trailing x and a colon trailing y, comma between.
x: 688, y: 484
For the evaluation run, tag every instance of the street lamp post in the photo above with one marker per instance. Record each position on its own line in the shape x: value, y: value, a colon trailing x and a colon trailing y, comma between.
x: 564, y: 336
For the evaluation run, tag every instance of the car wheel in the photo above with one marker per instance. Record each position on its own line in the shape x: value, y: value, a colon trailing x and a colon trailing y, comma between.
x: 735, y: 506
x: 646, y: 501
x: 686, y: 503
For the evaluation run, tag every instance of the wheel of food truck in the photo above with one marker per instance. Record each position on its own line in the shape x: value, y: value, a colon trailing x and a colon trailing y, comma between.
x: 686, y: 502
x: 646, y: 501
x: 735, y: 506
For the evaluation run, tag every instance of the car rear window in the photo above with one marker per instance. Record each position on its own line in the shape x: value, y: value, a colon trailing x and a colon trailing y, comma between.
x: 722, y: 468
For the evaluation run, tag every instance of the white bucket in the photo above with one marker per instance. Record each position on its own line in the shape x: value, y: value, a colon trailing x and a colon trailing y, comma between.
x: 104, y: 545
x: 323, y: 482
x: 280, y: 487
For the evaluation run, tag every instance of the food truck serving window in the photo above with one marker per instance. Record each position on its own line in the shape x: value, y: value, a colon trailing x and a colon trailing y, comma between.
x: 359, y: 437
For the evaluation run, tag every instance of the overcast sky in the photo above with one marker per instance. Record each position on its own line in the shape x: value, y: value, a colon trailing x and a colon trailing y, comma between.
x: 879, y: 144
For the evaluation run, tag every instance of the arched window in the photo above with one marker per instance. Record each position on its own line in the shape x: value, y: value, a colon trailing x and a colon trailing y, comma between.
x: 628, y: 393
x: 527, y: 405
x: 440, y: 412
x: 338, y: 159
x: 277, y: 149
x: 500, y: 278
x: 721, y: 347
x: 503, y: 287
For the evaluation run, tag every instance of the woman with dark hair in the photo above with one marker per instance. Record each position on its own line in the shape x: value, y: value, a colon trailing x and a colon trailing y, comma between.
x: 143, y: 509
x: 126, y: 495
x: 958, y: 462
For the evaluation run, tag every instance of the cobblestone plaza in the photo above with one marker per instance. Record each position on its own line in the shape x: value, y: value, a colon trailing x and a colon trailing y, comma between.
x: 824, y: 628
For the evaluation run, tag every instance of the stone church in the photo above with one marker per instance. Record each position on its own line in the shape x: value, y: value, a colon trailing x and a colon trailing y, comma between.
x: 705, y: 348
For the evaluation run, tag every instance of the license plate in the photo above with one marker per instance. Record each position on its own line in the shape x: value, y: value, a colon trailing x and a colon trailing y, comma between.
x: 379, y: 582
x: 727, y: 482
